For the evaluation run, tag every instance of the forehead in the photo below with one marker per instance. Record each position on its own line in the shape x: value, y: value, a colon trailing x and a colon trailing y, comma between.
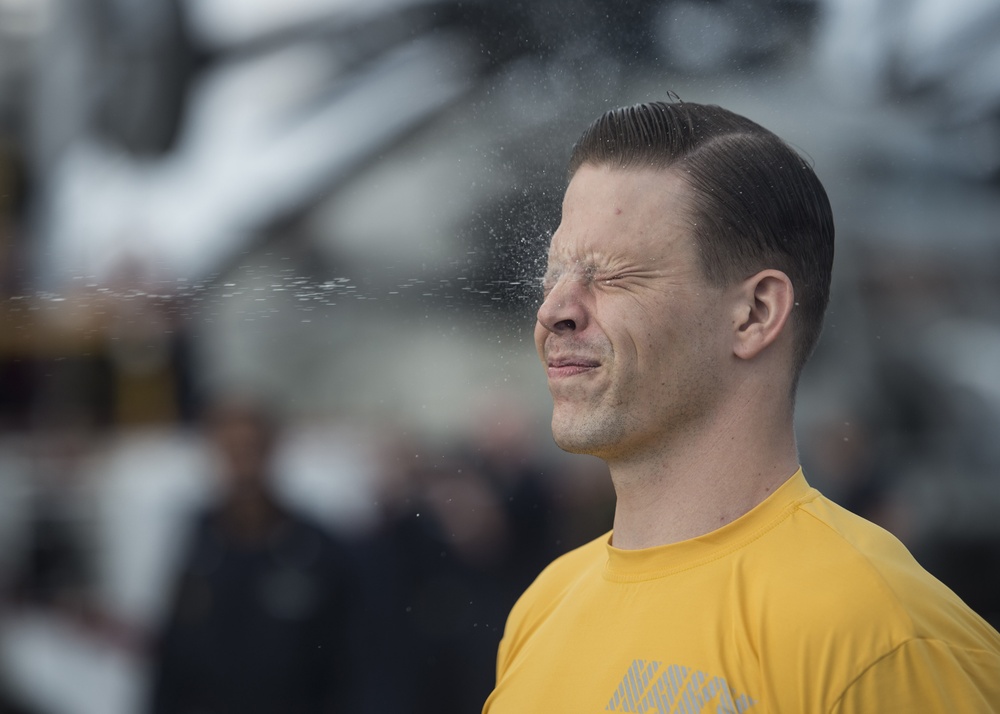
x: 616, y: 214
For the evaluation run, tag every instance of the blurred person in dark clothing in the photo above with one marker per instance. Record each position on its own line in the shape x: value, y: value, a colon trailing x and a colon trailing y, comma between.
x: 454, y: 557
x: 265, y: 611
x: 444, y: 539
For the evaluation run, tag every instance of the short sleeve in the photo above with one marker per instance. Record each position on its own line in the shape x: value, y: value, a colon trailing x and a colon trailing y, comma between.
x: 926, y: 676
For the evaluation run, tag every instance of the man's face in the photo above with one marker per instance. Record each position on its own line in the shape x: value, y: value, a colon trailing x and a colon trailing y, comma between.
x: 244, y: 446
x: 633, y: 338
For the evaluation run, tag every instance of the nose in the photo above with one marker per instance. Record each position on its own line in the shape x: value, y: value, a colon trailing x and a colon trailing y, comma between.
x: 563, y: 310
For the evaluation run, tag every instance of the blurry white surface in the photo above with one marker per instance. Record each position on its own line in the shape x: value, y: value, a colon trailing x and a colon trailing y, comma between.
x: 328, y: 472
x: 233, y: 22
x: 944, y: 55
x: 148, y: 486
x: 55, y: 666
x: 261, y: 137
x: 967, y: 354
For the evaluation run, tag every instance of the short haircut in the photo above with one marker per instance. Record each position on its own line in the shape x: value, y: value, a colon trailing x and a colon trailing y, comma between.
x: 756, y: 203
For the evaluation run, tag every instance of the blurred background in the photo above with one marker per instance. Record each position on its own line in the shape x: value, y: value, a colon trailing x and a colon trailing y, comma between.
x: 272, y: 433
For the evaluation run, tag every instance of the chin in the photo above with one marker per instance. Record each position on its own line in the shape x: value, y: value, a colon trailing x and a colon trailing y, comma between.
x: 571, y: 446
x: 577, y: 436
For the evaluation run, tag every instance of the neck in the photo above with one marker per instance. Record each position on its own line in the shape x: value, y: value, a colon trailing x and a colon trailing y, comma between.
x: 697, y: 482
x: 250, y: 515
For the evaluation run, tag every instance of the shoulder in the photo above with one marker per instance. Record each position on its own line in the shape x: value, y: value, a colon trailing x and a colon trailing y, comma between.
x: 831, y: 592
x: 568, y: 568
x: 926, y: 675
x: 579, y: 559
x: 556, y: 582
x: 837, y: 559
x: 847, y: 596
x: 843, y: 553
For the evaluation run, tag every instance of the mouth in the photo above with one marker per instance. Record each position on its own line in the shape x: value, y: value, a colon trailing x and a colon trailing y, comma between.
x: 560, y: 367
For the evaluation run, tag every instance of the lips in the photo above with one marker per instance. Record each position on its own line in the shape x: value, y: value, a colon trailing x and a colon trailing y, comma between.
x: 569, y: 366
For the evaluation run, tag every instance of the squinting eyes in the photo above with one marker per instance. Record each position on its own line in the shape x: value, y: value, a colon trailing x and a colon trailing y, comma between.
x: 589, y: 275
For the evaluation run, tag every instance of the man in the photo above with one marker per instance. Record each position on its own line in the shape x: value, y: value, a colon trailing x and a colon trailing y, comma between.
x: 265, y: 616
x: 685, y: 289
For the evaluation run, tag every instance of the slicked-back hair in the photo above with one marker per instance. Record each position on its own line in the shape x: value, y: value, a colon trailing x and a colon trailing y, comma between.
x: 755, y: 203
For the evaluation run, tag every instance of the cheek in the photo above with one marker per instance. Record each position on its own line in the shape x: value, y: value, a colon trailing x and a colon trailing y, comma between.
x: 654, y: 353
x: 540, y: 333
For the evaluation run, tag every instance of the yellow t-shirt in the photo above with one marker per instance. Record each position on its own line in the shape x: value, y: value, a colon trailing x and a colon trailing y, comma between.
x: 797, y: 607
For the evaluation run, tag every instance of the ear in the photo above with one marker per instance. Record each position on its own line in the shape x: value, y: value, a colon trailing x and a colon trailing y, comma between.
x: 764, y: 306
